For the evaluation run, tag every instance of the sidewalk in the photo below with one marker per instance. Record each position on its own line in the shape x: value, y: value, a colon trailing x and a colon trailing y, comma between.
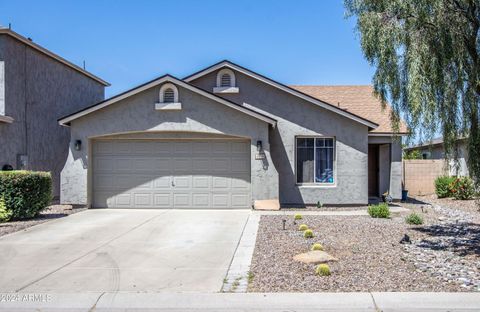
x: 123, y: 301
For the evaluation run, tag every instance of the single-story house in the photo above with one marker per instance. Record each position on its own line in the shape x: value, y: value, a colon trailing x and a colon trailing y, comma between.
x: 434, y: 149
x: 225, y: 137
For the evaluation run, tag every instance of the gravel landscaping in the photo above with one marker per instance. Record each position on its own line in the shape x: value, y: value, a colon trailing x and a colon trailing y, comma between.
x: 52, y: 212
x: 444, y: 253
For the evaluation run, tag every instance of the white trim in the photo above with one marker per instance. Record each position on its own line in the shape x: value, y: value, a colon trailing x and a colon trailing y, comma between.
x: 66, y: 120
x: 390, y: 134
x: 168, y: 106
x: 6, y: 119
x: 226, y: 90
x: 228, y: 72
x: 283, y: 88
x: 317, y: 184
x: 35, y: 46
x: 166, y: 86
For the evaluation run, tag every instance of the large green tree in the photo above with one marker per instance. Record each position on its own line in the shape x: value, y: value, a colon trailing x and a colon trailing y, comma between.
x: 426, y: 55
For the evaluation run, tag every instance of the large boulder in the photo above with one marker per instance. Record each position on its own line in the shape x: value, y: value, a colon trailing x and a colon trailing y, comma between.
x: 315, y: 257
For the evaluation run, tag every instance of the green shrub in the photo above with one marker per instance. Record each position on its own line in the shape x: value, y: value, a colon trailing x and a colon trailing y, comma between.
x: 317, y: 246
x: 414, y: 218
x: 443, y: 186
x: 302, y: 227
x: 308, y: 233
x: 5, y: 214
x: 298, y: 216
x: 379, y: 211
x: 319, y: 204
x: 462, y: 188
x: 26, y: 193
x: 323, y: 270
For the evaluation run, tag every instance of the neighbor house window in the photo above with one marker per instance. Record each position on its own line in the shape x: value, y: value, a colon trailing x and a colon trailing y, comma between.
x: 315, y: 160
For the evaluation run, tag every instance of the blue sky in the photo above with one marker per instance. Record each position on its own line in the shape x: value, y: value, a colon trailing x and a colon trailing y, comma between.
x: 130, y: 42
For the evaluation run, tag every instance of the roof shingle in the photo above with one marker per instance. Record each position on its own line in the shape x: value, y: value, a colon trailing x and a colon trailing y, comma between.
x: 358, y: 100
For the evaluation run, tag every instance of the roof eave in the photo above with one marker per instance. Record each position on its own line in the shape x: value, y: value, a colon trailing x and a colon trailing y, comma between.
x: 65, y: 121
x: 226, y: 63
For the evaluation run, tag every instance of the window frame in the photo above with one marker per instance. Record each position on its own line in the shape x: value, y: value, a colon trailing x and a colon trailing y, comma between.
x: 316, y: 184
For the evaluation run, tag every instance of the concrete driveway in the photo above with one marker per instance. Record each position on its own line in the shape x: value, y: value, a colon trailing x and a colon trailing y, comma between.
x: 123, y: 250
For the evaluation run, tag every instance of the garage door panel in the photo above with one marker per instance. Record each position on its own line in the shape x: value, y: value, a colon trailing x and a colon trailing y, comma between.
x: 182, y: 164
x: 122, y: 164
x: 104, y: 181
x: 171, y: 174
x: 143, y: 199
x: 220, y: 164
x: 162, y: 183
x: 240, y: 183
x: 201, y: 147
x: 182, y: 182
x: 201, y: 164
x: 201, y: 200
x: 240, y: 147
x: 240, y: 164
x: 239, y: 200
x: 221, y: 182
x: 182, y: 200
x: 162, y: 165
x: 201, y: 182
x: 104, y: 164
x: 123, y: 200
x: 220, y: 200
x: 144, y: 164
x: 162, y: 200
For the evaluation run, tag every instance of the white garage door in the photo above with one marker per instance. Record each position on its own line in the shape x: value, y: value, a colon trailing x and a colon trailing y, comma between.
x: 171, y: 174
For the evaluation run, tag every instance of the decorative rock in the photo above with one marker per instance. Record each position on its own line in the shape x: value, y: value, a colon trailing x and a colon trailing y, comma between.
x: 314, y: 257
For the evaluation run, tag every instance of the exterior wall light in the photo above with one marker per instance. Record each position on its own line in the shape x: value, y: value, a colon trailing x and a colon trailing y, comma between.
x: 259, y: 146
x: 78, y: 145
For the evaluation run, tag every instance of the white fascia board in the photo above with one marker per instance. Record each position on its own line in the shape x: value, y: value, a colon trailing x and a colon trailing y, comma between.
x: 66, y: 120
x: 284, y: 88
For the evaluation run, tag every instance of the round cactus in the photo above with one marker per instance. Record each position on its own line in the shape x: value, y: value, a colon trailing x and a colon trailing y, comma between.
x: 308, y: 233
x: 323, y: 270
x: 302, y: 227
x: 298, y: 216
x: 317, y: 246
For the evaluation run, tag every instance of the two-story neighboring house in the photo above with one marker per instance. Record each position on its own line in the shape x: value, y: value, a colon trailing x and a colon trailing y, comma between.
x: 36, y: 88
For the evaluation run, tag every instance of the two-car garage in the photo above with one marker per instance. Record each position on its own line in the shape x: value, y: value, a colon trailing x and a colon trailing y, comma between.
x: 171, y: 173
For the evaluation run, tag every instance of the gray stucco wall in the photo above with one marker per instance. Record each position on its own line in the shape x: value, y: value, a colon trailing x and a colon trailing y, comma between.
x: 298, y: 117
x: 38, y: 91
x: 137, y: 114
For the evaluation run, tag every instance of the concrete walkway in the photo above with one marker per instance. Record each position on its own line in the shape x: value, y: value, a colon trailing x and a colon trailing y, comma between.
x: 128, y: 301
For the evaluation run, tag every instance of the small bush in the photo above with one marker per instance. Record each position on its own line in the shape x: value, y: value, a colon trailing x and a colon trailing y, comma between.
x: 5, y: 214
x: 323, y: 270
x: 302, y: 227
x: 414, y: 218
x: 298, y: 216
x: 442, y: 186
x: 26, y: 193
x: 462, y: 188
x: 379, y: 211
x: 317, y: 246
x: 319, y: 204
x: 308, y: 233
